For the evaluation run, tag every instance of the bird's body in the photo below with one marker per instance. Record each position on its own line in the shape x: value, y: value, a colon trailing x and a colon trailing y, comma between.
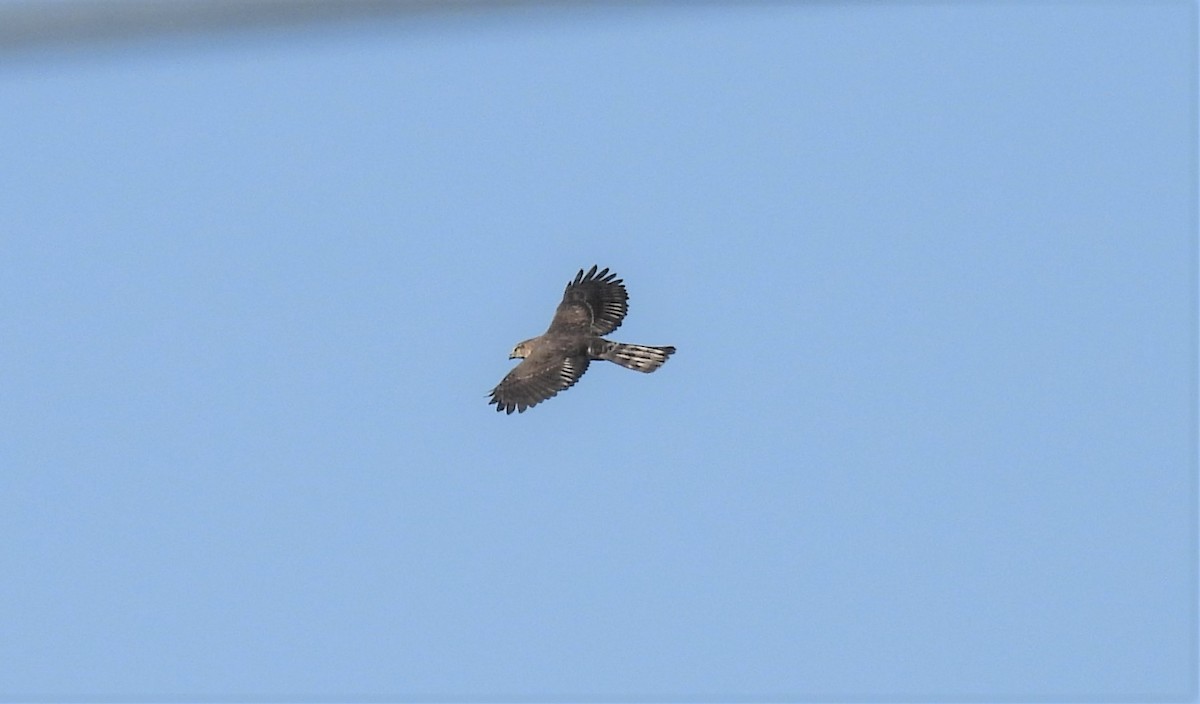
x: 593, y: 305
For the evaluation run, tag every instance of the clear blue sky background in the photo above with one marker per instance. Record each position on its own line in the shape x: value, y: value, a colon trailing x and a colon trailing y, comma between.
x: 930, y: 432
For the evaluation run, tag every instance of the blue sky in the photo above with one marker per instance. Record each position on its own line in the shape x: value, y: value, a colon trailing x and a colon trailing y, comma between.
x: 930, y: 432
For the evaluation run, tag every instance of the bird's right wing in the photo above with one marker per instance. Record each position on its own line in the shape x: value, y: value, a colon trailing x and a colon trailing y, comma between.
x: 536, y: 379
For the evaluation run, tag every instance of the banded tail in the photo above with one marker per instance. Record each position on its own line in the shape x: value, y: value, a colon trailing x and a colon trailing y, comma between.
x: 642, y: 358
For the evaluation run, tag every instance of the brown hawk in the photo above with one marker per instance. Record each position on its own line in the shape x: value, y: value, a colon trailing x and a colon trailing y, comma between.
x: 593, y: 305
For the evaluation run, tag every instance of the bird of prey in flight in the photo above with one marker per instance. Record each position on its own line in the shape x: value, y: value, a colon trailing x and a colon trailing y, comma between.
x: 593, y: 305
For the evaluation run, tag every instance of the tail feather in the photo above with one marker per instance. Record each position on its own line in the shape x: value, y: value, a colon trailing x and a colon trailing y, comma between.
x: 642, y: 358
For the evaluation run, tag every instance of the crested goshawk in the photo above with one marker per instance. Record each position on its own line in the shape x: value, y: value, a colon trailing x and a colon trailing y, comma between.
x: 593, y: 305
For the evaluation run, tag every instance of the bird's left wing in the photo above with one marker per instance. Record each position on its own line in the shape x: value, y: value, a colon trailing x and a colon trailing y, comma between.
x: 594, y: 303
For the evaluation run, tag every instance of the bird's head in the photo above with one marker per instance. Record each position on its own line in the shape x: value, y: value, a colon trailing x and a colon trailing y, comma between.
x: 522, y: 350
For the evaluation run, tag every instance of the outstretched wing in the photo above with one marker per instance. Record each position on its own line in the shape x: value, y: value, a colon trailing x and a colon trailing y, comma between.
x: 538, y: 377
x: 594, y: 303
